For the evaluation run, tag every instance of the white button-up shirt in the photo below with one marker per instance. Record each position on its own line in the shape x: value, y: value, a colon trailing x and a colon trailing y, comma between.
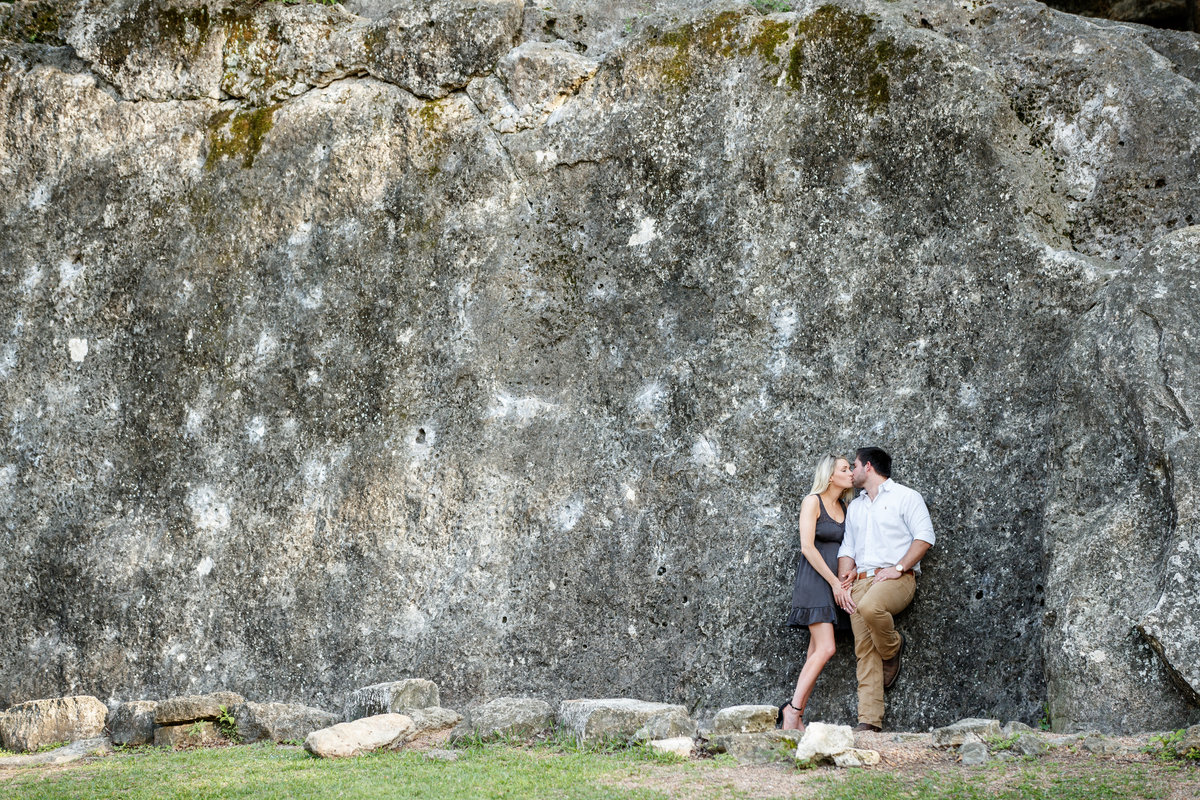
x: 880, y: 531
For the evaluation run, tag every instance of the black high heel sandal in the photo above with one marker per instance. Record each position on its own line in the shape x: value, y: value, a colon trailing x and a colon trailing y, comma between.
x: 788, y: 704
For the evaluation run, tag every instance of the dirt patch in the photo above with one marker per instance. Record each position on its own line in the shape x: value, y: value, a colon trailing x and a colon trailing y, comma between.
x: 758, y: 781
x: 912, y: 756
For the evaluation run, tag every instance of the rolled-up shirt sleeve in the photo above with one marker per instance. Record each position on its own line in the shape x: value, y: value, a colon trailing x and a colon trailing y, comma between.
x: 918, y: 520
x: 847, y: 548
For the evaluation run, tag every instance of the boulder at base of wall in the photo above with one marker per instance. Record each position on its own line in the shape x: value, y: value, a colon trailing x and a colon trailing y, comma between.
x: 133, y: 722
x: 30, y: 725
x: 279, y: 722
x: 509, y: 716
x: 391, y: 697
x: 360, y: 736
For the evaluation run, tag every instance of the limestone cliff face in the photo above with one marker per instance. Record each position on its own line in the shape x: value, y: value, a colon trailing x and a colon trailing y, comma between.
x: 494, y: 342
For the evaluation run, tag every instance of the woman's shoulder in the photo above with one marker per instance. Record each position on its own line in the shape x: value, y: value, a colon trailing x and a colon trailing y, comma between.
x: 810, y: 501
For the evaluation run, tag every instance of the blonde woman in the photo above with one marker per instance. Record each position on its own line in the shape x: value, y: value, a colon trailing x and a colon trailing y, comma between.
x: 817, y: 593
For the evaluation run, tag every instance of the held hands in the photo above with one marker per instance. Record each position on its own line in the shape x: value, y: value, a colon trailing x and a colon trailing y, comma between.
x: 847, y: 577
x: 841, y: 596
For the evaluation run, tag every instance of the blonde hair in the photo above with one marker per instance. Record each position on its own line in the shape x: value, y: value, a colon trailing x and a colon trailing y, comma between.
x: 823, y: 474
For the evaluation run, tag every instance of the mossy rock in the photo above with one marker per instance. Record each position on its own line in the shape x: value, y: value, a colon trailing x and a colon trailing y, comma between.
x: 32, y: 22
x: 238, y: 135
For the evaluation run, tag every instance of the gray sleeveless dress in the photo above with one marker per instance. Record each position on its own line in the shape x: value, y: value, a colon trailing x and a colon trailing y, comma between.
x: 812, y: 599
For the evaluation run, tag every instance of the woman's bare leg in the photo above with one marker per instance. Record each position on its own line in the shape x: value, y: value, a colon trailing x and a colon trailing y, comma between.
x: 820, y: 650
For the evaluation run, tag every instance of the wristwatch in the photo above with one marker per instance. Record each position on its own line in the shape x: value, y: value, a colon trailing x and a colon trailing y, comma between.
x: 899, y: 568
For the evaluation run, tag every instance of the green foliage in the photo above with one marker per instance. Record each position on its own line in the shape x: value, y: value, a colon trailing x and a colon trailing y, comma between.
x: 52, y: 746
x: 227, y: 725
x: 648, y: 753
x: 1044, y: 722
x: 997, y: 743
x: 299, y: 2
x: 565, y: 742
x: 1170, y: 747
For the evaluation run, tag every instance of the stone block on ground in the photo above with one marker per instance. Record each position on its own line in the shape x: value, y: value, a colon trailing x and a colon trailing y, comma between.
x: 591, y: 721
x: 133, y: 723
x: 436, y: 718
x: 680, y: 746
x: 187, y: 734
x: 1030, y: 744
x: 973, y: 753
x: 392, y: 697
x: 1016, y: 727
x: 763, y: 747
x: 507, y: 716
x: 192, y: 707
x: 1100, y: 745
x: 61, y: 755
x: 279, y: 722
x: 33, y: 724
x: 360, y: 736
x: 953, y: 735
x: 821, y: 742
x: 667, y: 724
x: 1190, y: 741
x: 745, y: 719
x: 855, y: 757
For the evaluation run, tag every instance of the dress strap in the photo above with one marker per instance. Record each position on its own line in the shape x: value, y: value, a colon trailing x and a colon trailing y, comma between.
x: 822, y: 504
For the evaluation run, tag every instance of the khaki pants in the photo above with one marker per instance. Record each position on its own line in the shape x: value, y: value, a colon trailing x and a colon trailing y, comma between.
x: 875, y: 637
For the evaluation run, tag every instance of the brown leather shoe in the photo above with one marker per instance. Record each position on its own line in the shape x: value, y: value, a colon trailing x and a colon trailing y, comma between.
x: 864, y: 727
x: 891, y: 666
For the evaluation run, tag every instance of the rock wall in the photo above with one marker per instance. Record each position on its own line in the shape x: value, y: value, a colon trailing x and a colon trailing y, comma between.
x: 494, y: 342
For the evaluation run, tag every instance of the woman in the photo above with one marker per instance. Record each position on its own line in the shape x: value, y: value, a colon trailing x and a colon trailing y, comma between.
x: 817, y: 593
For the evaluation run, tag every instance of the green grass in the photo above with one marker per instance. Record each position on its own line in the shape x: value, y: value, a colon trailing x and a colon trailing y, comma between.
x: 557, y: 769
x: 277, y: 772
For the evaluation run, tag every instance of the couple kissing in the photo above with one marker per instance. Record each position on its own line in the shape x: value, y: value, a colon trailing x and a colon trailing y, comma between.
x: 860, y: 555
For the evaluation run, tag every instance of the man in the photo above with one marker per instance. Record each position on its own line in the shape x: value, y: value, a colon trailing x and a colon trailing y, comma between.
x: 887, y: 533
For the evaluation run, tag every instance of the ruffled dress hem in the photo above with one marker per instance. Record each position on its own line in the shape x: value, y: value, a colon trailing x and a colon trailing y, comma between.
x: 803, y: 617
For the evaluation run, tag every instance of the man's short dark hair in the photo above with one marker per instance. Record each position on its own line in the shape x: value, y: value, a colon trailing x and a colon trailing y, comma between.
x: 877, y: 458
